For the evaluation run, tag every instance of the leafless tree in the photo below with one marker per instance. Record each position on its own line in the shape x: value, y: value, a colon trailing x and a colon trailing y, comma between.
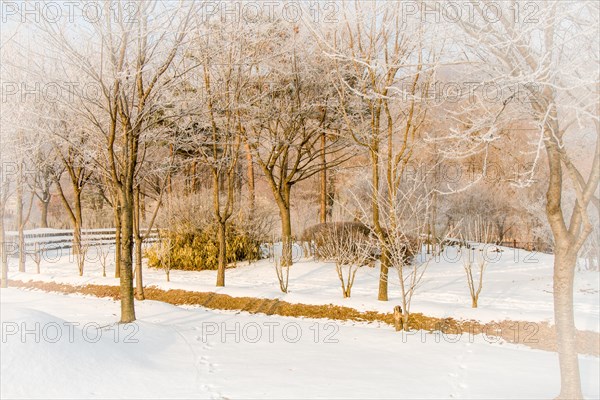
x: 382, y: 82
x: 103, y: 253
x: 282, y: 271
x: 129, y: 61
x: 287, y: 119
x: 548, y: 59
x: 24, y: 206
x: 69, y: 148
x: 5, y: 192
x: 37, y: 255
x: 220, y: 52
x: 476, y: 255
x: 348, y: 247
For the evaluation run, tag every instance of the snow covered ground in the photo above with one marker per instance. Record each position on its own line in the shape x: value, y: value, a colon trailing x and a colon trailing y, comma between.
x: 517, y: 285
x: 175, y: 352
x: 76, y: 349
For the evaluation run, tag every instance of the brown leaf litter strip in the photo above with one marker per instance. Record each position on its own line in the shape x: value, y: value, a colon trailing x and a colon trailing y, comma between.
x: 539, y: 335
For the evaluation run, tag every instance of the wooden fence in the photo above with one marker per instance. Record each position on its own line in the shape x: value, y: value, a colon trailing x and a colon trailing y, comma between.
x: 55, y: 239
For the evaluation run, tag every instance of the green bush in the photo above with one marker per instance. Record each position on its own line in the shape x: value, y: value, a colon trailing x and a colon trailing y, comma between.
x: 194, y: 249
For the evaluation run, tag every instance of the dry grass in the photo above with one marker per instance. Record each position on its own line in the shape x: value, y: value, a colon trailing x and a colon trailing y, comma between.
x: 535, y: 335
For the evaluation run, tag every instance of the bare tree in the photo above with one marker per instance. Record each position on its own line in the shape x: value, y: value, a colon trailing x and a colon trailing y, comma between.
x: 5, y: 193
x: 37, y: 255
x: 129, y: 60
x: 381, y: 82
x: 221, y: 52
x: 77, y: 166
x: 282, y: 271
x: 289, y: 115
x: 23, y: 210
x: 404, y: 220
x: 103, y: 253
x: 158, y: 181
x: 476, y: 255
x: 548, y: 58
x: 405, y: 223
x: 81, y: 255
x: 348, y: 247
x: 44, y: 170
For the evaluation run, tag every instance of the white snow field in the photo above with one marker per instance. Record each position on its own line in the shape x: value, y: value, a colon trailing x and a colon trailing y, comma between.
x: 517, y: 285
x: 182, y: 352
x: 175, y: 352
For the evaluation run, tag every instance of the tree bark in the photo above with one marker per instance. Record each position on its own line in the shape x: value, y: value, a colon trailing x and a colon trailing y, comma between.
x: 383, y: 275
x: 564, y: 267
x: 126, y: 275
x: 77, y: 223
x: 568, y: 242
x: 222, y: 238
x: 4, y: 256
x: 139, y: 283
x: 384, y: 262
x: 323, y: 180
x: 251, y: 187
x: 286, y: 237
x: 44, y: 204
x: 20, y: 223
x: 117, y: 241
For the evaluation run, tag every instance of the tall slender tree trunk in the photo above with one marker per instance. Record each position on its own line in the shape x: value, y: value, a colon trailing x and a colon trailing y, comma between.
x: 139, y: 283
x: 77, y: 223
x: 222, y: 239
x: 117, y: 241
x: 20, y: 224
x: 323, y: 180
x: 286, y: 234
x: 331, y: 188
x: 251, y: 187
x: 3, y: 249
x: 565, y: 262
x: 126, y: 275
x: 44, y: 204
x: 384, y: 262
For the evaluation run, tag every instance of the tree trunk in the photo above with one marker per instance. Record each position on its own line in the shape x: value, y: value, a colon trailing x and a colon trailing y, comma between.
x: 383, y: 275
x: 222, y: 238
x: 286, y: 235
x: 139, y: 283
x: 330, y: 194
x: 347, y: 292
x: 398, y: 318
x: 4, y: 256
x: 117, y: 242
x: 564, y: 268
x: 384, y: 264
x: 323, y: 181
x: 126, y: 274
x: 20, y: 224
x: 251, y: 187
x: 77, y: 223
x: 44, y: 204
x: 473, y: 302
